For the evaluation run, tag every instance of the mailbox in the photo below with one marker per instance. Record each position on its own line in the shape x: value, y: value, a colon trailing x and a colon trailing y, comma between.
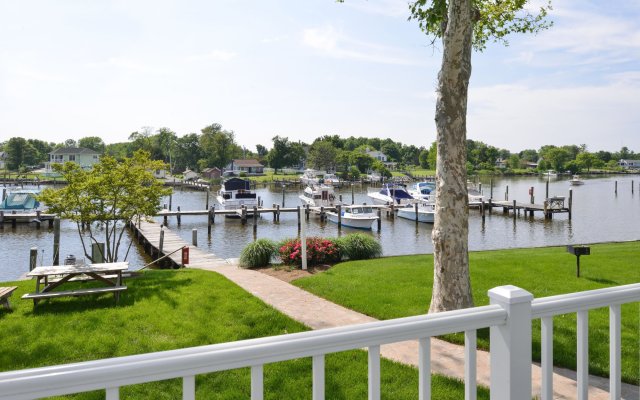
x: 578, y: 251
x: 185, y: 255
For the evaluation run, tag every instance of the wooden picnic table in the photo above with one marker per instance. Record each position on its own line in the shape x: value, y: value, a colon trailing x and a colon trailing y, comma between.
x: 51, y: 277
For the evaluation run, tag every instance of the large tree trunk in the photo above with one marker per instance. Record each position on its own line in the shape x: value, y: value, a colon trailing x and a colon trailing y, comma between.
x: 451, y: 283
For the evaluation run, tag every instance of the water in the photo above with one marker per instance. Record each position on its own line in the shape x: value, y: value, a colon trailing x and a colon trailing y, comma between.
x: 599, y: 215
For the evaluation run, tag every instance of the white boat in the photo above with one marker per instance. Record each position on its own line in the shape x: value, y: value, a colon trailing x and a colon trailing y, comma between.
x: 576, y: 181
x: 374, y: 177
x: 354, y: 216
x: 330, y: 179
x: 423, y: 191
x: 310, y: 177
x: 551, y: 173
x: 318, y: 195
x: 426, y: 212
x: 391, y: 194
x: 235, y: 193
x: 20, y: 201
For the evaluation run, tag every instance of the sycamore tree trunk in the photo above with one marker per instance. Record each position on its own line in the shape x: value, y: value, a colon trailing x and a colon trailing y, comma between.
x: 451, y: 283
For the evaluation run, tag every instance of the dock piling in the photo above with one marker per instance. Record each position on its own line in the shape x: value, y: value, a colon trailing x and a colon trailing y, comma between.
x: 515, y: 210
x: 56, y: 241
x: 352, y: 195
x: 379, y: 219
x: 206, y: 207
x: 33, y: 258
x: 491, y: 188
x: 531, y: 194
x: 339, y: 211
x: 194, y: 237
x: 210, y: 221
x: 161, y: 243
x: 415, y: 208
x: 299, y: 217
x: 506, y: 194
x: 546, y: 192
x: 570, y: 202
x: 171, y: 198
x: 616, y: 188
x: 178, y: 216
x: 255, y: 216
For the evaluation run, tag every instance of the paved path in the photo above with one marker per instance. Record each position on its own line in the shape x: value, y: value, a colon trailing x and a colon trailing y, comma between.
x: 446, y: 358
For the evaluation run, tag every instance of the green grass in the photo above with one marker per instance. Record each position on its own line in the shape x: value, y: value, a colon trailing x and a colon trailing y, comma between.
x: 423, y: 172
x: 269, y: 177
x: 167, y: 309
x: 401, y: 286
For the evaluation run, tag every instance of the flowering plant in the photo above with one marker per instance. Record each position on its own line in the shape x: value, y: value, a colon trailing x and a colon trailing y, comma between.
x: 319, y: 251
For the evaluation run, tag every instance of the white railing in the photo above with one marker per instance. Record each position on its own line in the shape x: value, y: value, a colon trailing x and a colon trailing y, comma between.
x: 508, y: 317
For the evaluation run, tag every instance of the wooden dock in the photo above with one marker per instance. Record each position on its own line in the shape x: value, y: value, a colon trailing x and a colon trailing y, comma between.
x: 551, y: 206
x: 15, y: 218
x: 161, y: 242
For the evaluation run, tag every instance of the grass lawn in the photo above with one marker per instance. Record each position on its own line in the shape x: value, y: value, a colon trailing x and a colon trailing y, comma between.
x: 167, y: 309
x: 272, y: 177
x: 401, y: 286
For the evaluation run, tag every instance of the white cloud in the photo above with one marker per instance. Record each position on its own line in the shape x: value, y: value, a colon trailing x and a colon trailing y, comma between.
x: 389, y: 8
x: 332, y: 43
x: 215, y: 55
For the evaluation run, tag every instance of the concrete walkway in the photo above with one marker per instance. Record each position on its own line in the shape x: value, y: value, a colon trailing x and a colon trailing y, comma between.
x: 446, y: 358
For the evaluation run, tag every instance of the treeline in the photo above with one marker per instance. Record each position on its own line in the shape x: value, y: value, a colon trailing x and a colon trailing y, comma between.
x: 216, y: 147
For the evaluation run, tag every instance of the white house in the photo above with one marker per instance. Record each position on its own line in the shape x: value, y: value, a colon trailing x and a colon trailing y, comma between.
x: 86, y: 158
x: 629, y: 164
x: 378, y: 155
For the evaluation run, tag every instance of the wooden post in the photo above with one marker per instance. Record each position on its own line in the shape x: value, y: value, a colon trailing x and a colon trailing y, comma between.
x: 283, y: 195
x: 299, y: 217
x: 206, y: 207
x: 161, y: 242
x: 531, y: 194
x: 482, y: 210
x: 243, y: 214
x: 546, y: 213
x: 570, y: 202
x: 352, y: 195
x: 393, y: 207
x: 307, y: 212
x: 514, y: 210
x: 170, y: 198
x: 339, y: 212
x: 506, y: 194
x: 33, y: 258
x: 209, y: 221
x: 321, y: 213
x: 273, y: 207
x: 415, y: 208
x: 278, y: 212
x: 194, y: 237
x: 56, y: 241
x: 546, y: 191
x: 179, y: 217
x: 616, y: 188
x: 38, y: 220
x: 340, y: 197
x: 632, y: 186
x: 491, y: 190
x: 480, y: 188
x: 379, y: 219
x: 255, y: 216
x: 213, y: 214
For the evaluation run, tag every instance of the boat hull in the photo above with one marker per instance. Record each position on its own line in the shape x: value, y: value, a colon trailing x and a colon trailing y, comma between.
x: 423, y: 215
x: 351, y: 222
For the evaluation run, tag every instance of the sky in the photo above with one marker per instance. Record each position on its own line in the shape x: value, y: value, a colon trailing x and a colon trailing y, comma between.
x: 303, y: 69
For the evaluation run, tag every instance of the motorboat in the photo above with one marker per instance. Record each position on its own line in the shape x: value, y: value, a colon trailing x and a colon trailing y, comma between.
x: 391, y: 193
x: 318, y: 195
x: 374, y: 177
x: 426, y: 212
x: 423, y: 191
x: 235, y: 193
x: 330, y: 179
x: 551, y: 173
x: 576, y: 181
x: 354, y: 216
x: 21, y: 200
x: 310, y: 177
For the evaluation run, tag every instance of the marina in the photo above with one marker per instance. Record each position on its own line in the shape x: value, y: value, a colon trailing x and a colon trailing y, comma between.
x: 604, y: 209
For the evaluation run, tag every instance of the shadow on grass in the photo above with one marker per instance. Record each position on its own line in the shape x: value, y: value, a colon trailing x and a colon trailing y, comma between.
x: 603, y: 281
x: 160, y: 287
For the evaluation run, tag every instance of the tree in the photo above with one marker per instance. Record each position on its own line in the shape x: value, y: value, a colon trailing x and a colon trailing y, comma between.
x: 462, y: 24
x: 107, y: 198
x: 15, y: 152
x: 361, y: 160
x: 586, y: 160
x: 218, y: 147
x: 514, y: 161
x: 424, y: 159
x: 284, y: 153
x: 70, y: 143
x: 261, y: 150
x: 432, y: 158
x: 322, y: 155
x: 94, y: 143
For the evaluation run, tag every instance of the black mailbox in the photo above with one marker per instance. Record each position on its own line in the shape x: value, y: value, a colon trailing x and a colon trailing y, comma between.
x: 579, y: 251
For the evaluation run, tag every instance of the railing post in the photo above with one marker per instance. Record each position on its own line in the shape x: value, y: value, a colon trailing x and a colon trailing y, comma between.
x: 511, y: 345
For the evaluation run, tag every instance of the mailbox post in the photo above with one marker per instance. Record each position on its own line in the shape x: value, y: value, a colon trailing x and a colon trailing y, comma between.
x: 579, y: 251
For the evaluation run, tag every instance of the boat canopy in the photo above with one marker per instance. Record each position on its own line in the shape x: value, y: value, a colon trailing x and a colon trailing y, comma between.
x: 236, y: 184
x: 20, y: 200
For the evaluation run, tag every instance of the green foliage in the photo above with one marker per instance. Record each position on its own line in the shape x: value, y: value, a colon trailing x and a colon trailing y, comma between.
x: 284, y: 153
x: 494, y: 20
x: 94, y: 143
x: 319, y: 251
x: 322, y: 155
x: 395, y: 287
x: 218, y: 147
x: 111, y: 194
x: 424, y: 159
x: 258, y: 253
x: 362, y: 161
x: 354, y: 173
x: 358, y: 246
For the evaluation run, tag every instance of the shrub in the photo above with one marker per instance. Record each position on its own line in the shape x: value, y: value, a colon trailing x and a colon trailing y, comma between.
x: 319, y: 251
x: 258, y: 253
x: 358, y: 246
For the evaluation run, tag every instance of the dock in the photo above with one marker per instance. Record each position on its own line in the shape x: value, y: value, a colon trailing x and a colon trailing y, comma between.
x: 551, y: 206
x: 158, y: 241
x: 14, y: 218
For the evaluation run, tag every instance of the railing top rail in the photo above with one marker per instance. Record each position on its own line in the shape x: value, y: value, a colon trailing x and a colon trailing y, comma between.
x: 121, y: 371
x: 574, y: 302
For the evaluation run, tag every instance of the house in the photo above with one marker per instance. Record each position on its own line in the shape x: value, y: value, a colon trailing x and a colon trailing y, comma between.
x: 160, y: 173
x: 629, y: 164
x: 189, y: 175
x: 86, y: 158
x: 501, y: 163
x: 3, y: 158
x: 249, y: 167
x: 378, y: 155
x: 211, y: 173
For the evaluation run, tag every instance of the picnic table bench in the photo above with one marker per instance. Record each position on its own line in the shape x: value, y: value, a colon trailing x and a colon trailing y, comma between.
x: 52, y: 277
x: 5, y: 293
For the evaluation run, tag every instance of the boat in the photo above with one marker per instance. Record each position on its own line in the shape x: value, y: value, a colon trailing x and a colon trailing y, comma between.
x: 576, y: 181
x: 310, y: 177
x: 551, y: 173
x: 354, y: 216
x: 235, y: 193
x: 426, y: 212
x: 423, y: 191
x: 318, y: 195
x: 21, y: 200
x: 330, y: 179
x: 391, y: 193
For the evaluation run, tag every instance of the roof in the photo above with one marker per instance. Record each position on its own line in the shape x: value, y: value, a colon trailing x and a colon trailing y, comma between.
x: 204, y: 171
x: 247, y: 163
x: 73, y: 150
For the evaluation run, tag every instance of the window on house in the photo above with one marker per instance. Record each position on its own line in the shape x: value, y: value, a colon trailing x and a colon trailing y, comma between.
x: 72, y: 157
